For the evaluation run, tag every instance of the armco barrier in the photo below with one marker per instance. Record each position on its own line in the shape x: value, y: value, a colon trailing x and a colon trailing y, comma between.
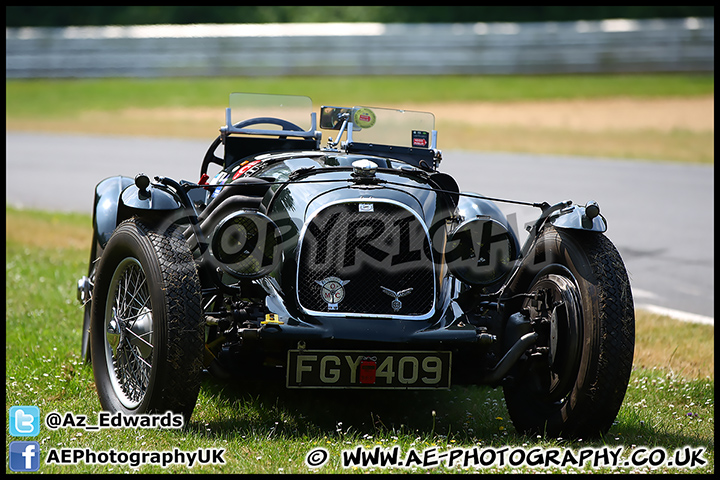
x: 608, y: 46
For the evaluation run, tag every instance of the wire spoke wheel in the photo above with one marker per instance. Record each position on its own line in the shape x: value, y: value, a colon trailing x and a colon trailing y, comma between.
x: 146, y: 333
x: 128, y: 333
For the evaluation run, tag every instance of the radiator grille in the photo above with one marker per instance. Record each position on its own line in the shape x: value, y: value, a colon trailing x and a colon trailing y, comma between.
x: 350, y: 251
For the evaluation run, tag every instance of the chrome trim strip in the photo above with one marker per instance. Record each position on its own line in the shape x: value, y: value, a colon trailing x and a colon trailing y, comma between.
x: 364, y: 315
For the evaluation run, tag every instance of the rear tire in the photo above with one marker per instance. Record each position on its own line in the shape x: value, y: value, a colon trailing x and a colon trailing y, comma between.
x: 146, y: 333
x: 576, y: 388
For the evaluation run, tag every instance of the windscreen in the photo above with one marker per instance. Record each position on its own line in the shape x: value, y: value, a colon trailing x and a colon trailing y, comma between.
x: 293, y: 108
x: 385, y: 126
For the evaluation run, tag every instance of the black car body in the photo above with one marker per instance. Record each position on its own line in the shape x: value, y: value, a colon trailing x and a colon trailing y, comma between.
x: 352, y: 265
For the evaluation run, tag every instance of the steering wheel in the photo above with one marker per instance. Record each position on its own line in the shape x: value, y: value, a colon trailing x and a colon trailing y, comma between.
x: 210, y: 156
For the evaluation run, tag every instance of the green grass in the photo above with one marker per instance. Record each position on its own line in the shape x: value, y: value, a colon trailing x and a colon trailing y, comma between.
x: 265, y: 428
x: 193, y: 108
x: 55, y: 98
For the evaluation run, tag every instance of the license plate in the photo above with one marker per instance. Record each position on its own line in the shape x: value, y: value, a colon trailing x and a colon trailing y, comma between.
x: 368, y: 369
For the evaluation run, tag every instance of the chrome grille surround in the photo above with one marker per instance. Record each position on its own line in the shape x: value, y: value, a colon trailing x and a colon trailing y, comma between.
x: 354, y: 242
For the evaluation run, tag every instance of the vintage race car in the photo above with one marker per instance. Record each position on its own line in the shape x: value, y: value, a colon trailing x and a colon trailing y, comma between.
x: 354, y: 264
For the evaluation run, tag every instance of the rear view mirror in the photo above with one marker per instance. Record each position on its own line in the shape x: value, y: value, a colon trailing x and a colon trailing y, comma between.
x: 332, y: 118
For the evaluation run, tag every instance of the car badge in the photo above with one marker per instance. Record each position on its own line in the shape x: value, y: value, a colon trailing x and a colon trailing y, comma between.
x: 420, y: 138
x: 364, y: 117
x: 332, y: 291
x: 396, y: 303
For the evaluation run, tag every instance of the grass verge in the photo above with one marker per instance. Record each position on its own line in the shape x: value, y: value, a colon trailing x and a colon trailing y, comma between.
x: 63, y: 97
x: 264, y: 428
x: 683, y: 146
x: 194, y: 108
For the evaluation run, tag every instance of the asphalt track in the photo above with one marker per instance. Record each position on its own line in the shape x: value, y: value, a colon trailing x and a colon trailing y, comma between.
x: 660, y: 215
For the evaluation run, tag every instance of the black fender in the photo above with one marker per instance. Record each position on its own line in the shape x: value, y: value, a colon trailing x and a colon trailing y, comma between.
x: 154, y: 197
x: 575, y: 217
x: 118, y: 198
x: 105, y: 208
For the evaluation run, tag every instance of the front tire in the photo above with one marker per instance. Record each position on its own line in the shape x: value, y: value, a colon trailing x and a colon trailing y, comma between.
x: 584, y: 313
x: 146, y: 333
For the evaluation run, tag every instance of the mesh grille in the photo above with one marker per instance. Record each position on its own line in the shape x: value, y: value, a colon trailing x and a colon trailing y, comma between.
x: 350, y: 251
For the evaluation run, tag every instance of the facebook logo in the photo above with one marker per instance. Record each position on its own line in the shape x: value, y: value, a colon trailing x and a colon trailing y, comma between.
x: 24, y: 421
x: 24, y: 456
